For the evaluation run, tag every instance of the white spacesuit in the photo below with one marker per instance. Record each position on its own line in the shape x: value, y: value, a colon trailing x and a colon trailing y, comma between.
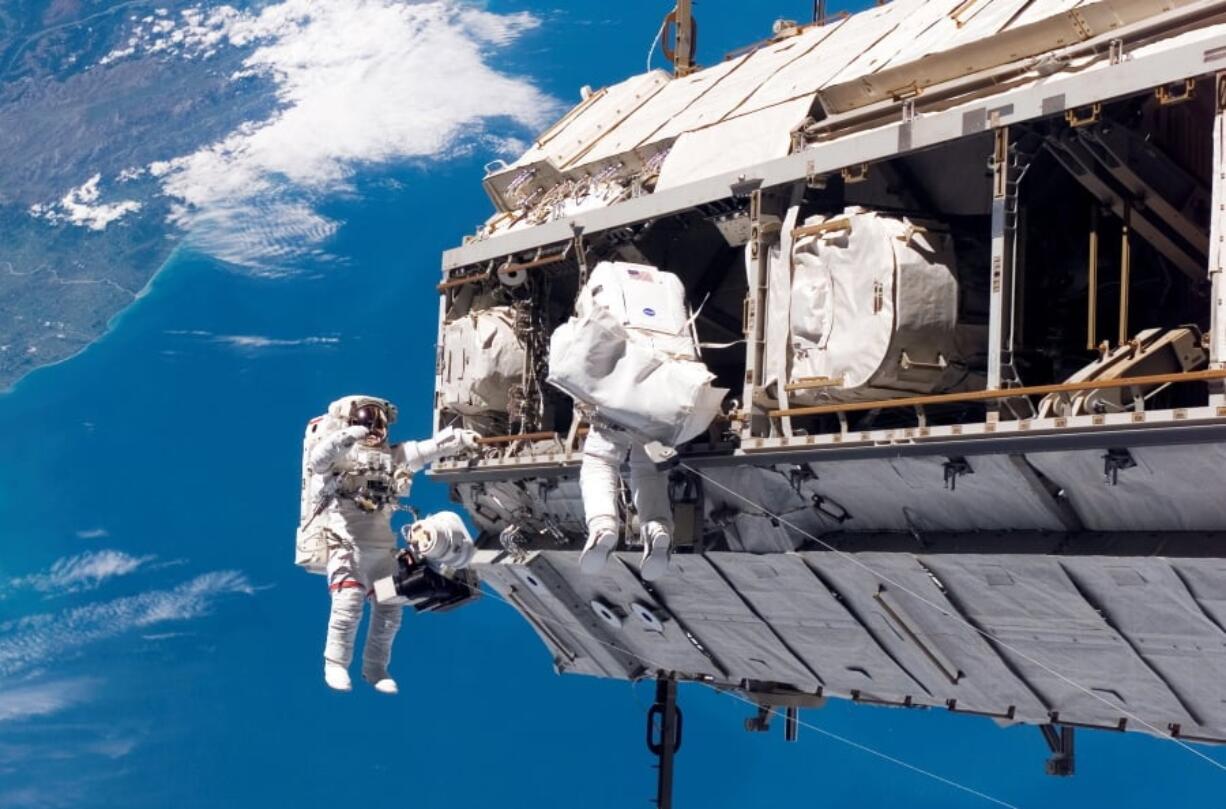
x: 604, y: 452
x: 629, y: 357
x: 354, y: 478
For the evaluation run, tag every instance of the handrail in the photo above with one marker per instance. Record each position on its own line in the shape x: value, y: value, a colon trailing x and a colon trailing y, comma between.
x: 509, y: 439
x: 1004, y: 393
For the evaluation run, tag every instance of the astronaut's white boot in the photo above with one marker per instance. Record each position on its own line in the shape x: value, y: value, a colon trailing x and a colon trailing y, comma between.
x: 386, y: 686
x: 601, y: 541
x: 657, y: 548
x: 380, y: 679
x: 337, y: 676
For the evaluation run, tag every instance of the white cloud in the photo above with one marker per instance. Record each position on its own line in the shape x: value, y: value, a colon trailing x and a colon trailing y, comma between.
x: 39, y: 639
x: 80, y: 206
x: 85, y: 571
x: 257, y: 341
x: 42, y: 699
x: 93, y: 533
x: 357, y: 82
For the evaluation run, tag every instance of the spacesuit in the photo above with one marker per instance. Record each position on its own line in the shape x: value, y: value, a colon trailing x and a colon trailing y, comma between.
x: 358, y: 477
x: 599, y: 477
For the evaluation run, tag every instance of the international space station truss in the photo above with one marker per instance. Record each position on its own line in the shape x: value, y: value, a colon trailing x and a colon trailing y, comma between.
x: 961, y: 264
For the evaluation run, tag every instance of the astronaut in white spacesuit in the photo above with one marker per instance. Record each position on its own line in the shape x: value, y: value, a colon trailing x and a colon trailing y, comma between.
x: 629, y: 357
x: 599, y: 481
x: 354, y: 478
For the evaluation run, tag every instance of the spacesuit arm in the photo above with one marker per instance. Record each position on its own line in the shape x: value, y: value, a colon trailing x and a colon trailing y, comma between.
x: 331, y: 449
x: 416, y: 455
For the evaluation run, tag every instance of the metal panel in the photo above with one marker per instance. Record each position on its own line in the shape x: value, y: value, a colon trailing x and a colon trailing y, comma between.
x: 643, y: 124
x: 843, y: 42
x: 1164, y: 491
x: 594, y: 119
x: 1165, y: 61
x: 746, y: 647
x: 910, y: 494
x: 736, y: 86
x: 617, y: 587
x: 1038, y: 11
x: 953, y: 661
x: 909, y: 21
x: 755, y: 136
x: 1146, y: 601
x: 817, y: 626
x: 1046, y: 626
x: 566, y: 640
x: 1206, y: 583
x: 565, y: 613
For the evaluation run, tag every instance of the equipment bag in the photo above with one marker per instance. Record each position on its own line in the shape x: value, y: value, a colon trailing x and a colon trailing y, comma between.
x: 619, y: 369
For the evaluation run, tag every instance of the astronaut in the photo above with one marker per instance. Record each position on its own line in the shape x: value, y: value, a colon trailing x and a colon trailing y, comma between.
x: 605, y: 450
x: 629, y: 358
x: 353, y: 478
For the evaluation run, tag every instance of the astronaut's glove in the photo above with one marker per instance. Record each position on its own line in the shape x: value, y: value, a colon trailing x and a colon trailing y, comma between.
x: 352, y: 435
x: 453, y: 441
x: 446, y: 443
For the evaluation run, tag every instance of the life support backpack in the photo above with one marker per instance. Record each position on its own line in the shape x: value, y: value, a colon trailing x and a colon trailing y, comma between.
x: 631, y: 355
x: 311, y: 544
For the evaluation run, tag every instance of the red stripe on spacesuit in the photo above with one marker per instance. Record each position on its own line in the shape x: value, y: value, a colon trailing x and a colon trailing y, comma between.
x: 344, y: 585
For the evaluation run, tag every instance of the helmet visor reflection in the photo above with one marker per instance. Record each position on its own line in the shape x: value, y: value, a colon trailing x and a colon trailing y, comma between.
x: 374, y: 419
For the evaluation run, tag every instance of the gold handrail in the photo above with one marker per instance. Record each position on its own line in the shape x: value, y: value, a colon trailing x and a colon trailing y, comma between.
x: 1004, y: 393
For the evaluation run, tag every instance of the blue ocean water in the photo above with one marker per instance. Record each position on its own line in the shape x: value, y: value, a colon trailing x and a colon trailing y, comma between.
x: 179, y: 440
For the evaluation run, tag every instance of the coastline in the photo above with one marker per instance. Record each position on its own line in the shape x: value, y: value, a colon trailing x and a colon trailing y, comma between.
x: 112, y: 323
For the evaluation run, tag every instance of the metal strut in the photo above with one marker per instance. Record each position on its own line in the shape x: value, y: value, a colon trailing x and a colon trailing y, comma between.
x: 664, y: 737
x: 1059, y: 740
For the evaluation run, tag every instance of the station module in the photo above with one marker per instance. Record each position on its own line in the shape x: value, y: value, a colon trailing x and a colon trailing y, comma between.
x: 960, y: 268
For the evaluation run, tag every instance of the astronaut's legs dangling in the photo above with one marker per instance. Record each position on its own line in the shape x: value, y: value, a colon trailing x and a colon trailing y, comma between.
x: 352, y: 569
x: 599, y: 479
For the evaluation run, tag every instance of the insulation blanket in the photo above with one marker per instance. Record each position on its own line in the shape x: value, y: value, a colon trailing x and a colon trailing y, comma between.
x: 593, y: 358
x: 482, y: 358
x: 873, y: 308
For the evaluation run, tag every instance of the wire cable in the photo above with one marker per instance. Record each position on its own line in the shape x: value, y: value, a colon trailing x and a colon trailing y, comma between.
x: 988, y: 635
x: 655, y: 43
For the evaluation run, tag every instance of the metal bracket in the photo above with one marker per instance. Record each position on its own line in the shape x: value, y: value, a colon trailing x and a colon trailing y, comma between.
x: 659, y: 454
x: 855, y: 174
x: 512, y: 540
x: 1114, y: 461
x: 761, y: 721
x: 1060, y: 741
x: 664, y: 737
x: 1168, y: 98
x: 1084, y: 116
x: 908, y: 110
x: 955, y: 468
x: 1115, y: 52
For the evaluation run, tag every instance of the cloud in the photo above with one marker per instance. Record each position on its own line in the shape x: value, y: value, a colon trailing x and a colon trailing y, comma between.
x: 80, y: 206
x: 85, y: 571
x: 257, y: 341
x: 37, y: 639
x: 357, y: 82
x: 93, y: 533
x: 43, y: 699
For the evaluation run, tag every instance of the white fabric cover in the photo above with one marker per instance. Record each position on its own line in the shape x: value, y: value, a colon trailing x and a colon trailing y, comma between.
x: 629, y: 353
x: 310, y: 545
x: 864, y: 292
x: 650, y: 303
x: 482, y: 358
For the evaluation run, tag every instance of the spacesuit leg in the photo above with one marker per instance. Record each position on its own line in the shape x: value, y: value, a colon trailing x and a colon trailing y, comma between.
x: 378, y: 563
x: 348, y: 593
x: 599, y: 479
x: 649, y: 491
